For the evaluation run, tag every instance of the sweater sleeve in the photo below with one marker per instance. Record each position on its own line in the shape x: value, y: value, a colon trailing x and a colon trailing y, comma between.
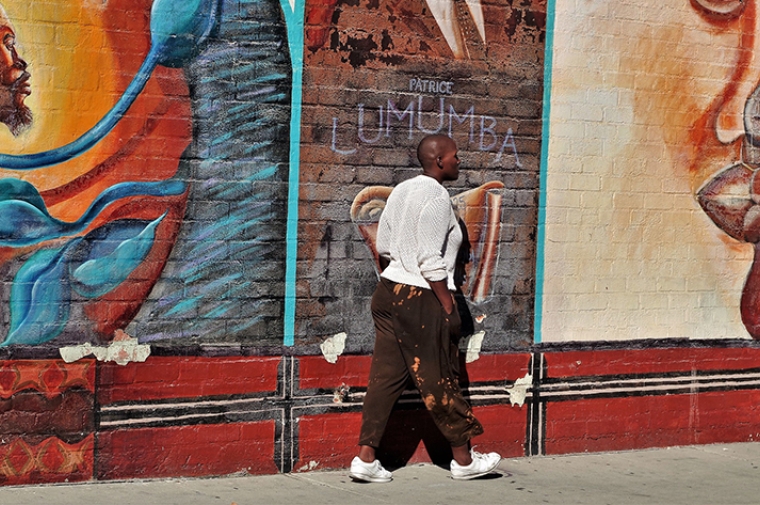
x: 432, y: 231
x: 382, y: 241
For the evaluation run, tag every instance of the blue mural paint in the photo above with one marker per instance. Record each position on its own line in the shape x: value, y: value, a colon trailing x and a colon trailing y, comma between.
x: 229, y: 257
x: 178, y: 29
x: 90, y: 266
x: 295, y: 22
x: 26, y: 220
x: 39, y: 304
x: 545, y: 118
x: 100, y: 275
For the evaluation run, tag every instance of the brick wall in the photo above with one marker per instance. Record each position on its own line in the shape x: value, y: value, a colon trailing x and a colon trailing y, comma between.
x: 209, y: 314
x: 372, y: 90
x: 646, y: 109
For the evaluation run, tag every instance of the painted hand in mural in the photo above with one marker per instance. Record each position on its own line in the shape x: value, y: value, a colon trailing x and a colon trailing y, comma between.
x: 479, y: 211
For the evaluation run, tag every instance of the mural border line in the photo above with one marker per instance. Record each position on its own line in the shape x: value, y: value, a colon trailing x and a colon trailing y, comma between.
x: 543, y: 171
x: 294, y: 18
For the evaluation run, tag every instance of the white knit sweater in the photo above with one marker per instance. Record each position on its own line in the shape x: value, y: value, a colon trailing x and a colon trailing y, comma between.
x: 419, y: 233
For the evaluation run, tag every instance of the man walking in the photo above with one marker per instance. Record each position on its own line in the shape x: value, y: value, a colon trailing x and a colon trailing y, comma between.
x: 415, y: 315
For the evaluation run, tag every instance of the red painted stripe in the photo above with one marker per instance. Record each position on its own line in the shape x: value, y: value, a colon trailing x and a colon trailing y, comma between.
x: 504, y: 427
x: 330, y: 441
x: 186, y: 377
x: 727, y: 416
x: 618, y: 424
x: 327, y: 441
x: 497, y: 367
x: 201, y: 450
x: 316, y: 372
x: 614, y: 424
x: 353, y: 371
x: 648, y: 361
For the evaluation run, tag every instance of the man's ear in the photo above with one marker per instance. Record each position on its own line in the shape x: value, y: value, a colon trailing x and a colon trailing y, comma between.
x: 438, y: 162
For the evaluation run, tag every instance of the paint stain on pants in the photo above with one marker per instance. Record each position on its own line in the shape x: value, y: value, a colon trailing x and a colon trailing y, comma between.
x: 415, y: 339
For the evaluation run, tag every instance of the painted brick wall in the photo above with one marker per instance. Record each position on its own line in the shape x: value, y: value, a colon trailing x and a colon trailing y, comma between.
x: 366, y: 105
x: 212, y: 204
x: 188, y: 295
x: 647, y: 107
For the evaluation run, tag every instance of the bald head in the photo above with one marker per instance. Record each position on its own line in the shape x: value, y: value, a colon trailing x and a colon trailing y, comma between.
x: 431, y: 147
x: 438, y: 156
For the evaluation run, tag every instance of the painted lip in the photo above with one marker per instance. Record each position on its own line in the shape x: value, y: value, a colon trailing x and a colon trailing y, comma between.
x: 22, y: 84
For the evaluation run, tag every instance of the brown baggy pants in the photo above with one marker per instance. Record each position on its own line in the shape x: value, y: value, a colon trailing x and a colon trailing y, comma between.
x: 413, y: 339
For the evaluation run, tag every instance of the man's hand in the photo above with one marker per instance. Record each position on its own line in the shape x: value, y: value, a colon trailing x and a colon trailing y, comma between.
x: 441, y: 290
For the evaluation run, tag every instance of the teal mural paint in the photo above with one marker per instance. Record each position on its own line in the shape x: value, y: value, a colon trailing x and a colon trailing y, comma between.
x: 294, y: 18
x: 545, y: 117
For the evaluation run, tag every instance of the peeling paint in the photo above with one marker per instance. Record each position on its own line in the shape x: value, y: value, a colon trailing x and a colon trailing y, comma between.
x: 333, y: 347
x: 341, y: 393
x: 474, y: 342
x: 124, y: 349
x: 519, y: 390
x: 309, y: 467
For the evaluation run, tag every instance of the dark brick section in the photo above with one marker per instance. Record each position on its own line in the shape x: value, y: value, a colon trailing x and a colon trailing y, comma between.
x: 35, y: 417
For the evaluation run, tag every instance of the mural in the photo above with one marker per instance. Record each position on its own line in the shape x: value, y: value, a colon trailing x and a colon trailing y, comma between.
x: 188, y: 192
x: 199, y: 181
x: 179, y: 206
x: 84, y: 240
x: 418, y: 68
x: 650, y: 146
x: 224, y: 280
x: 95, y: 215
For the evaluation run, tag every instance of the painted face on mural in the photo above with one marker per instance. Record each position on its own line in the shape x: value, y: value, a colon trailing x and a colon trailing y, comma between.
x: 695, y: 79
x: 14, y: 80
x: 687, y: 72
x: 727, y: 127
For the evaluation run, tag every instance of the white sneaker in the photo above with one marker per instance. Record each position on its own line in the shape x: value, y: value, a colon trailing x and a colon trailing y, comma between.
x: 482, y: 464
x: 369, y: 472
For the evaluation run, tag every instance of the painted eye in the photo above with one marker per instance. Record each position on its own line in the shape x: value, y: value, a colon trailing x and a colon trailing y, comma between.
x: 720, y: 9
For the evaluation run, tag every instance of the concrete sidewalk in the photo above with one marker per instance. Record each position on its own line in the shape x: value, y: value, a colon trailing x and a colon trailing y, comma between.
x: 725, y: 474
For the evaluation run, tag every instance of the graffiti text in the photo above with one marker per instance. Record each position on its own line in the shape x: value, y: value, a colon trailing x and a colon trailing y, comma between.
x: 372, y: 125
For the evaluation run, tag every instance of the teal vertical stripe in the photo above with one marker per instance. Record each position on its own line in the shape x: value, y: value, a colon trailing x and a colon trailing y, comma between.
x: 294, y: 18
x: 541, y: 235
